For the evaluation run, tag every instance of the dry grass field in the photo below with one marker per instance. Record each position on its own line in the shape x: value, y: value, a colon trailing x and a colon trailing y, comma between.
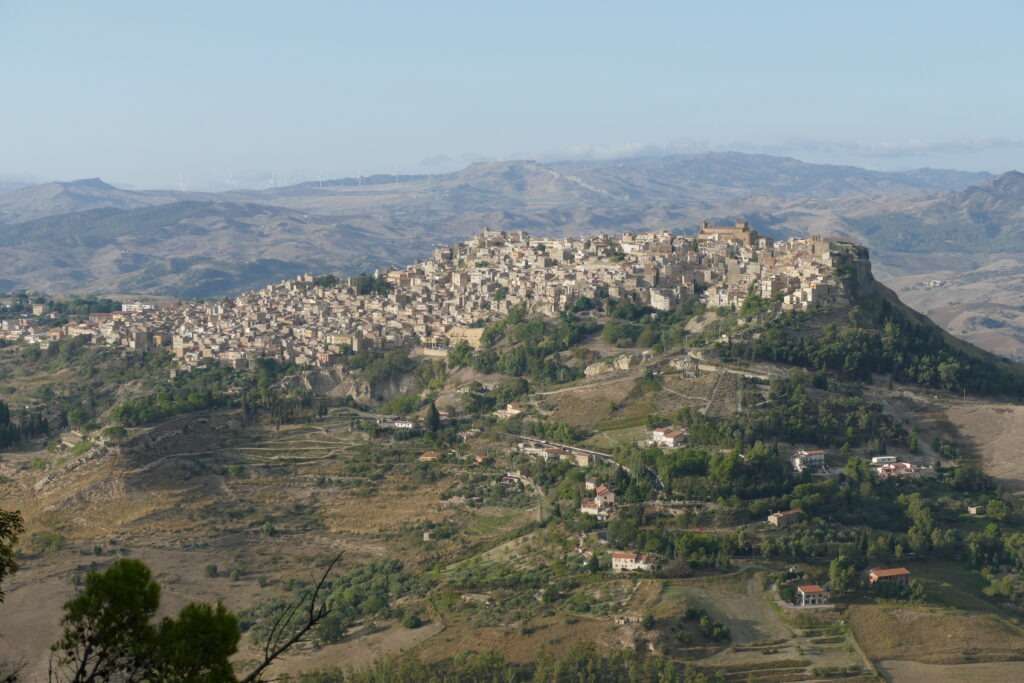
x: 619, y: 401
x: 995, y: 431
x: 265, y: 507
x: 903, y: 671
x: 935, y: 635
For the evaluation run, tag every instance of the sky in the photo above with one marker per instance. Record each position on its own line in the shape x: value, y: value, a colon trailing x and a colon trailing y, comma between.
x: 208, y: 95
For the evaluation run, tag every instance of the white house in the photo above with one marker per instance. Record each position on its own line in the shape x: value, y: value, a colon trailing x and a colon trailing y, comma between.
x: 631, y: 562
x: 808, y: 460
x: 594, y: 509
x: 811, y: 594
x: 896, y: 469
x: 784, y: 519
x: 668, y: 437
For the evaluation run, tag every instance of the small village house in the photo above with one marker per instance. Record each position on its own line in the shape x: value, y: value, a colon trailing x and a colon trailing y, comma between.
x: 624, y: 561
x: 808, y: 461
x: 811, y: 595
x: 668, y: 437
x: 784, y: 519
x: 604, y: 496
x: 896, y: 470
x: 594, y: 509
x: 899, y: 575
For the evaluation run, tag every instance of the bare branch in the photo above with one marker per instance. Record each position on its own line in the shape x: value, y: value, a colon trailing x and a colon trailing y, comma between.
x: 276, y: 644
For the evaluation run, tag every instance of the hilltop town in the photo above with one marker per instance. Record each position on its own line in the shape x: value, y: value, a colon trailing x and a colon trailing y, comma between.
x: 646, y: 451
x: 433, y: 304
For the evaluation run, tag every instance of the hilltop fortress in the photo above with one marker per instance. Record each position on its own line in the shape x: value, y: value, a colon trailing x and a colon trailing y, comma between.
x: 449, y: 297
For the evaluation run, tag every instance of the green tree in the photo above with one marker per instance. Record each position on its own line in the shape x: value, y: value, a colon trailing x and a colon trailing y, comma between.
x: 460, y: 355
x: 197, y: 646
x: 11, y: 526
x: 109, y: 635
x: 841, y: 575
x: 433, y: 419
x: 107, y: 631
x: 917, y: 591
x: 997, y: 510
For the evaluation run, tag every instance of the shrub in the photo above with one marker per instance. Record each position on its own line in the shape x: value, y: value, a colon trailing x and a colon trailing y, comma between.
x: 412, y: 621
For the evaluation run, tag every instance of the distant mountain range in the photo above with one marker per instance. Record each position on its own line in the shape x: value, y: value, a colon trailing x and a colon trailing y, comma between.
x: 88, y: 235
x: 981, y: 219
x: 921, y: 225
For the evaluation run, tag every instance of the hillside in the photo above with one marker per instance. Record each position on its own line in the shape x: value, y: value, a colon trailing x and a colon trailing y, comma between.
x: 184, y: 249
x: 983, y: 218
x: 50, y: 199
x: 958, y: 257
x: 235, y: 486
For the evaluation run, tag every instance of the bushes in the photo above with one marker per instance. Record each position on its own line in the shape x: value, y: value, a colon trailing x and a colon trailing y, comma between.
x: 197, y: 390
x: 581, y: 664
x: 378, y: 368
x: 46, y: 542
x: 402, y: 404
x: 412, y: 621
x: 799, y: 414
x: 530, y: 349
x: 881, y: 338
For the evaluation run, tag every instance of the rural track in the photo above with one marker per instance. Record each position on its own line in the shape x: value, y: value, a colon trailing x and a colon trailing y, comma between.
x: 580, y: 387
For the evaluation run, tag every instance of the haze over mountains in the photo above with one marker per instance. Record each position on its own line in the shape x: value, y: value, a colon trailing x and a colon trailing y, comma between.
x: 87, y: 235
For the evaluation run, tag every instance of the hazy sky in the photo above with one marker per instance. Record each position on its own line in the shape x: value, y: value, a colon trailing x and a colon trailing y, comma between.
x: 214, y: 92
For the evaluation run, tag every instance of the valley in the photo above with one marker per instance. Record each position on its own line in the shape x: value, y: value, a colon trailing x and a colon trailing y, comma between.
x: 483, y: 505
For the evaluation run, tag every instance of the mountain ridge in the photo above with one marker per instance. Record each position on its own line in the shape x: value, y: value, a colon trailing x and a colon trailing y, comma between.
x: 89, y: 236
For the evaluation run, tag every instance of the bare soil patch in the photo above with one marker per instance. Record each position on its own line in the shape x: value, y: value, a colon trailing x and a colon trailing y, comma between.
x: 995, y: 431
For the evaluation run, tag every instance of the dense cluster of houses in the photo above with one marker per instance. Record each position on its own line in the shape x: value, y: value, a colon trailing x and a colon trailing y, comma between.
x: 446, y: 299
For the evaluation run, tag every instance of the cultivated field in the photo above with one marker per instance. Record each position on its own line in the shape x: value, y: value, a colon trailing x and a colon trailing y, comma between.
x: 265, y: 506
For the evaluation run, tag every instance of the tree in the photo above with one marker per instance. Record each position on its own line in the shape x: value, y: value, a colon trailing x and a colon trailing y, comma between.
x: 460, y: 355
x: 841, y: 575
x: 197, y: 646
x: 11, y: 526
x: 109, y: 635
x: 300, y: 618
x: 997, y: 510
x: 433, y: 419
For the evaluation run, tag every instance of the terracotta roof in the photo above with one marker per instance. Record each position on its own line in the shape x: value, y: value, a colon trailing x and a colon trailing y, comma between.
x: 895, y: 571
x: 811, y: 588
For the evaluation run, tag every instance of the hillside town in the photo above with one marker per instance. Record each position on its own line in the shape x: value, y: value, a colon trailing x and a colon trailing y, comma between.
x: 449, y: 297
